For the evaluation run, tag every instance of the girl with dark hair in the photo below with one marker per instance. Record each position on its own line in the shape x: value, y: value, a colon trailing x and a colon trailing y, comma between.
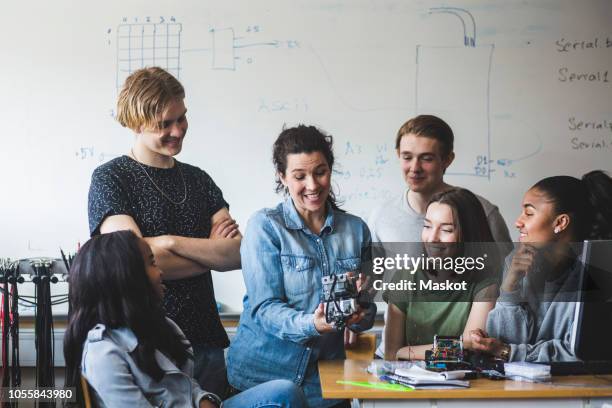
x: 534, y: 315
x: 285, y: 253
x: 119, y: 340
x: 455, y: 227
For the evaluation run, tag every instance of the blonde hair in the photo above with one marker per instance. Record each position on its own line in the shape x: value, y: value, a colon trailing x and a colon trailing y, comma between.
x: 146, y: 94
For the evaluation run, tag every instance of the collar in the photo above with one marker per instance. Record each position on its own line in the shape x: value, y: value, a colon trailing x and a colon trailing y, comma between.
x: 124, y: 337
x: 294, y: 221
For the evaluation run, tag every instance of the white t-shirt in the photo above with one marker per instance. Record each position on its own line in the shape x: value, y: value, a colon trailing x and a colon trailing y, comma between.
x: 396, y: 221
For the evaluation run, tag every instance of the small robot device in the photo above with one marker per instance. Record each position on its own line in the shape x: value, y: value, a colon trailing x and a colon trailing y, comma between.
x: 340, y: 298
x: 447, y: 353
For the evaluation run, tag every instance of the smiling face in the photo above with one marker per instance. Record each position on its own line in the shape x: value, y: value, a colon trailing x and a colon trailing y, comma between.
x: 166, y: 139
x: 422, y: 163
x: 440, y: 231
x: 153, y: 272
x: 308, y: 179
x: 537, y: 220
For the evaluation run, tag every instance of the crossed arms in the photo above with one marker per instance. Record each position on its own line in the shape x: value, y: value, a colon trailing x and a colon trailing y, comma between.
x: 183, y: 257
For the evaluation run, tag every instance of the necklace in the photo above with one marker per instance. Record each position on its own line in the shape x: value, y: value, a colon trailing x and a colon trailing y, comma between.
x: 157, y: 187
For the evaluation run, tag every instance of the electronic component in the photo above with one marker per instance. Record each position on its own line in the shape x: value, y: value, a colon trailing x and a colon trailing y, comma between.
x: 340, y: 297
x: 447, y: 353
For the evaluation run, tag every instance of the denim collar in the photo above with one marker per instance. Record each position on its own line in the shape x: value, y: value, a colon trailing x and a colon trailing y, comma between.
x: 124, y: 337
x: 294, y: 221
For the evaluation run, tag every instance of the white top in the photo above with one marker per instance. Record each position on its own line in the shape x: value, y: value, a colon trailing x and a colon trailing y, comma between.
x: 396, y: 221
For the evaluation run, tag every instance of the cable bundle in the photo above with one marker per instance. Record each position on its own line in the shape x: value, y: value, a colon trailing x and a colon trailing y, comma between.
x: 43, y: 327
x: 15, y: 365
x: 12, y: 274
x: 6, y: 323
x: 9, y: 321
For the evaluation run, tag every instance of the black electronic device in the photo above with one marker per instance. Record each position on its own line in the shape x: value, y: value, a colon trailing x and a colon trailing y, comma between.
x: 593, y: 313
x: 340, y: 297
x: 594, y: 307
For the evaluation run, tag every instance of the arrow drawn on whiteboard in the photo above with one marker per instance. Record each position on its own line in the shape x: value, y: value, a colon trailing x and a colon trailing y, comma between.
x: 224, y: 44
x: 469, y: 34
x: 273, y: 43
x: 508, y: 162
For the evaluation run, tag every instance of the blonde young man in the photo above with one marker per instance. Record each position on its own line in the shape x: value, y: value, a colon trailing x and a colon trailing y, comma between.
x: 177, y: 208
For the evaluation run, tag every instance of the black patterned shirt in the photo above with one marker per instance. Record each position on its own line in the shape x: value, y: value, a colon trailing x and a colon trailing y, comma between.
x: 121, y: 186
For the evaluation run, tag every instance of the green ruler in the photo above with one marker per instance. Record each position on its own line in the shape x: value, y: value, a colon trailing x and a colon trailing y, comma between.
x: 376, y: 385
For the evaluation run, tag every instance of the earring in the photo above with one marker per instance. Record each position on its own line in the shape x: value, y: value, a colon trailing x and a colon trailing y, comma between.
x: 557, y: 230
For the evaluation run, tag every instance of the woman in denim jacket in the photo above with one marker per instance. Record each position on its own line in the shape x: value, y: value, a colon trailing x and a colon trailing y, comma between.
x: 119, y: 340
x: 285, y: 252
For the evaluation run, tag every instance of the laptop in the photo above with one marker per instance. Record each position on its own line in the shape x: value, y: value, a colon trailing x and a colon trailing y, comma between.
x: 592, y: 331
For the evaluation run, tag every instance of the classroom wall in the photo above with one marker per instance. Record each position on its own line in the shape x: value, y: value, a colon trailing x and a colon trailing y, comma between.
x: 524, y: 84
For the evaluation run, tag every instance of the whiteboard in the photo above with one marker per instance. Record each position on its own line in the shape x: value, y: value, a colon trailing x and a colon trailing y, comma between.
x: 524, y: 84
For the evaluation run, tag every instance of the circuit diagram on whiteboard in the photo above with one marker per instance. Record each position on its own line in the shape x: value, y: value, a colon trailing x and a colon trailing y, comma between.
x: 460, y: 93
x: 142, y: 44
x: 226, y: 46
x: 148, y: 44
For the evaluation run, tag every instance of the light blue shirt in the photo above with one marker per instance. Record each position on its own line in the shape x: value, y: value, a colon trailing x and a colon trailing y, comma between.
x: 537, y: 323
x: 282, y: 264
x: 118, y: 381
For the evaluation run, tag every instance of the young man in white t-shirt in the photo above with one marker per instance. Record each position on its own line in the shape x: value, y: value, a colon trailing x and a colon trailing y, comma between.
x: 424, y: 146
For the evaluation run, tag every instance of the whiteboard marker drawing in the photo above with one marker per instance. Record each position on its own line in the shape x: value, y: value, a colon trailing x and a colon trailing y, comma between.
x: 459, y: 92
x: 225, y: 43
x: 142, y: 45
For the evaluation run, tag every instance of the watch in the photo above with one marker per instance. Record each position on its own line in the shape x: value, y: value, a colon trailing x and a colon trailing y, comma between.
x: 212, y: 398
x: 505, y: 352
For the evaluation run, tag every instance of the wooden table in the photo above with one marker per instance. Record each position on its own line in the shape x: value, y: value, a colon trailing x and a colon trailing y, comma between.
x: 566, y: 391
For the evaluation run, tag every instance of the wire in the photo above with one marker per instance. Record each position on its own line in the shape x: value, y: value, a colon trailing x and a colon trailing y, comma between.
x: 331, y: 298
x: 336, y: 315
x: 52, y: 296
x: 4, y: 313
x: 41, y: 275
x: 15, y: 365
x: 43, y: 331
x: 60, y: 301
x: 26, y: 303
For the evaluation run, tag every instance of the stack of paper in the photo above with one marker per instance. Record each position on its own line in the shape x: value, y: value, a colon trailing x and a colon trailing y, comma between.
x: 523, y: 371
x: 417, y: 377
x: 381, y: 367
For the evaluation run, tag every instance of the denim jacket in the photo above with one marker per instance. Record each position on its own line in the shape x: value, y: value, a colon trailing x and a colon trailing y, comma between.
x: 282, y: 265
x: 118, y: 382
